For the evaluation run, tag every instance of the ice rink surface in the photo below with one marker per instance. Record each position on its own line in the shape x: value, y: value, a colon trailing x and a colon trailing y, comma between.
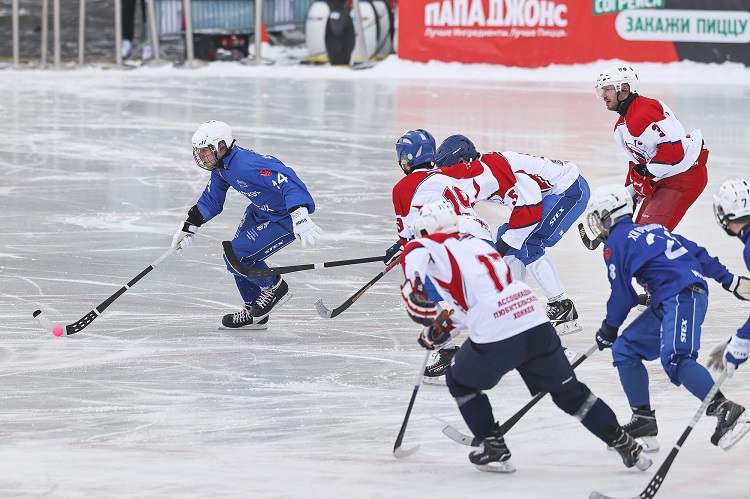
x: 153, y: 400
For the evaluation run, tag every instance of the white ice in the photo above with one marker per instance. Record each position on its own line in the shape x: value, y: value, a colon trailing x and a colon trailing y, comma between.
x: 153, y: 400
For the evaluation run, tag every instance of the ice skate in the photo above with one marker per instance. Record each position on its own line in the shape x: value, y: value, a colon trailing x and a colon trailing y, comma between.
x: 443, y: 357
x: 733, y: 422
x: 270, y: 299
x: 243, y: 320
x: 642, y: 427
x: 631, y: 451
x: 493, y: 455
x: 562, y: 314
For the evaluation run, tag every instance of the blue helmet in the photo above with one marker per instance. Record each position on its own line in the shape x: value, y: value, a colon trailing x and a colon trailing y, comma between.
x: 415, y: 148
x: 454, y: 150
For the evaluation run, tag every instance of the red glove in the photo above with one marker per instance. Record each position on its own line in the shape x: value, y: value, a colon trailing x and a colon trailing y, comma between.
x: 438, y: 333
x: 642, y: 184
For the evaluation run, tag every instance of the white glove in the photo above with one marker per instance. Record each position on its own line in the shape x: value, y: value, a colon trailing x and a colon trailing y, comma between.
x: 739, y: 287
x: 733, y: 353
x: 305, y: 229
x: 183, y: 238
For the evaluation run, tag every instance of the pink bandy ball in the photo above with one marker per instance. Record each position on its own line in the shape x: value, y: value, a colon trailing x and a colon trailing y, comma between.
x: 58, y: 331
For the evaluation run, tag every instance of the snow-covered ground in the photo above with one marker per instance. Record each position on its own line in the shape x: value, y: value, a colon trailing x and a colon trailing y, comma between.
x: 153, y: 400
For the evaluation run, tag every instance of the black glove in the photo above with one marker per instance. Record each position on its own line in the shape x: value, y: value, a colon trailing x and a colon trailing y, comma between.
x: 606, y: 336
x: 420, y: 308
x: 438, y: 333
x: 739, y: 287
x: 393, y: 253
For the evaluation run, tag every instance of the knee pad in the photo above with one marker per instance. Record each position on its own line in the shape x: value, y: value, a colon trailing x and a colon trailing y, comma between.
x: 574, y: 400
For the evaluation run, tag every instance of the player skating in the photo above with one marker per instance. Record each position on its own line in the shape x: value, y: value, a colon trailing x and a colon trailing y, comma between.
x: 667, y: 169
x: 546, y: 197
x: 673, y: 269
x: 424, y: 184
x: 279, y: 210
x: 732, y: 211
x: 508, y: 330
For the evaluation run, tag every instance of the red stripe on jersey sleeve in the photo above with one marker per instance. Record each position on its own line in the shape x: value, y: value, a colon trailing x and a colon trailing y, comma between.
x: 501, y: 170
x: 669, y: 153
x: 463, y: 170
x: 524, y: 216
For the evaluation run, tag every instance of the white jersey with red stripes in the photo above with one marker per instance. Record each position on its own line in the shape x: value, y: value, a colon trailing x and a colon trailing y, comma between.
x: 521, y: 182
x: 651, y: 135
x: 459, y: 184
x: 471, y: 276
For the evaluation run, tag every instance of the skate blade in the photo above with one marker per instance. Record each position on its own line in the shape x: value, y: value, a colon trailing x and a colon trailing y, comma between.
x: 430, y: 380
x: 251, y: 327
x: 568, y: 328
x: 739, y: 430
x: 282, y: 301
x: 649, y: 444
x: 497, y: 467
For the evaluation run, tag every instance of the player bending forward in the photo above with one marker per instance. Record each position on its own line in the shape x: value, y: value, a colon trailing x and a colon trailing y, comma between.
x: 424, y: 184
x: 546, y: 197
x: 672, y: 268
x: 278, y: 212
x: 508, y: 330
x: 732, y: 211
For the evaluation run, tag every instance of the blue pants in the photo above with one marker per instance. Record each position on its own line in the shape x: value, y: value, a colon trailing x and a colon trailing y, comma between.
x: 672, y: 333
x: 538, y: 357
x: 254, y: 242
x: 559, y: 213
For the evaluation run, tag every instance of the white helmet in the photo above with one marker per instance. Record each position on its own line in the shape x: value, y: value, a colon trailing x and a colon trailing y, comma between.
x: 436, y: 217
x: 210, y: 135
x: 732, y: 203
x: 609, y: 204
x: 616, y: 76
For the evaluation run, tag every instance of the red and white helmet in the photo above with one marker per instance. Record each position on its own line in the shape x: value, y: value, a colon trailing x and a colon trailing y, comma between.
x: 616, y: 76
x: 207, y: 142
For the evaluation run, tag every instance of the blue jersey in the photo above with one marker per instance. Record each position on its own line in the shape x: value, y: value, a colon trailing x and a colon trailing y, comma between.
x: 662, y: 262
x: 744, y: 331
x: 271, y: 187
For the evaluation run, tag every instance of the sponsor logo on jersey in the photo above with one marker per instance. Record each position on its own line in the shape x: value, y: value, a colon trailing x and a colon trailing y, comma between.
x: 252, y: 194
x: 262, y: 226
x: 265, y: 173
x: 607, y: 253
x: 242, y: 183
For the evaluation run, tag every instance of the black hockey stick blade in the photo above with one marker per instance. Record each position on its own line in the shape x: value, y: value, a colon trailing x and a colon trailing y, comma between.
x: 87, y: 319
x: 661, y: 474
x: 237, y: 265
x: 462, y: 439
x: 398, y: 451
x: 327, y: 313
x: 591, y: 244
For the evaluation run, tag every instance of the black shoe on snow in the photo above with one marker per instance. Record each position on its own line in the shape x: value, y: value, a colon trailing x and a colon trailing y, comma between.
x: 493, y: 454
x: 270, y: 299
x: 642, y: 426
x: 727, y: 413
x: 630, y: 451
x: 444, y: 357
x: 243, y: 320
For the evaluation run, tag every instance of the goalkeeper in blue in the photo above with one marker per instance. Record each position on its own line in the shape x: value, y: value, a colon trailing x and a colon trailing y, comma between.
x: 672, y: 269
x: 732, y: 212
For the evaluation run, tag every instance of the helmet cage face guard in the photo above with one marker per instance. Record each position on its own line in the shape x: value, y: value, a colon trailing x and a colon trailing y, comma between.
x: 415, y: 147
x: 609, y: 204
x: 201, y: 155
x: 210, y: 142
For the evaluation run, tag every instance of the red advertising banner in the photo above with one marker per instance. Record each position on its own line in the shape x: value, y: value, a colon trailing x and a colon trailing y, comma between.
x: 533, y: 33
